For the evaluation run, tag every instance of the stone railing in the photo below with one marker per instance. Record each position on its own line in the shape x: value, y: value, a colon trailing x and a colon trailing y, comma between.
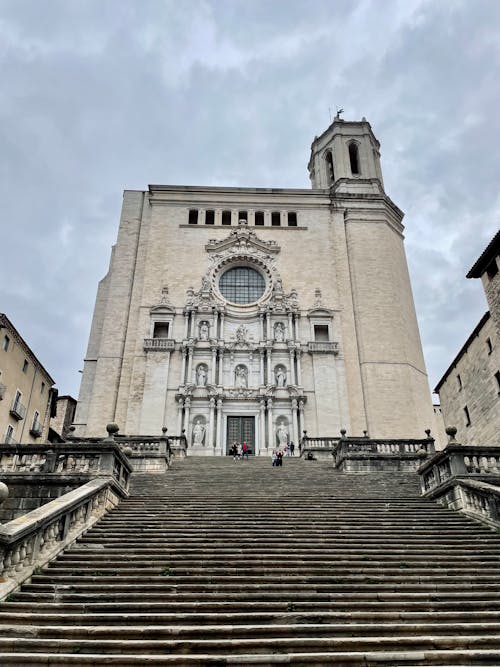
x: 465, y: 478
x: 101, y: 459
x: 474, y: 462
x: 368, y: 455
x: 34, y: 539
x: 326, y: 347
x: 158, y: 344
x: 178, y: 446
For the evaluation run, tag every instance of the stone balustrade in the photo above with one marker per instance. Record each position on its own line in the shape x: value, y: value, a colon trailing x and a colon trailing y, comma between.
x: 158, y: 344
x: 457, y: 461
x: 326, y: 347
x: 100, y: 459
x: 34, y: 539
x: 368, y: 455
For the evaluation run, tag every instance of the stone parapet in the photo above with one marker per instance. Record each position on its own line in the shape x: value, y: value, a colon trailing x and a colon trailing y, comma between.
x: 368, y: 455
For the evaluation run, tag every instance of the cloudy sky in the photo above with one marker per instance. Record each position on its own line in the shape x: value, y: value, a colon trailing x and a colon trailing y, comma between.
x: 102, y: 95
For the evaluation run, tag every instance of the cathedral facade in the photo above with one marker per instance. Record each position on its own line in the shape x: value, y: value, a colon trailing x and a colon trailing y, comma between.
x: 254, y: 314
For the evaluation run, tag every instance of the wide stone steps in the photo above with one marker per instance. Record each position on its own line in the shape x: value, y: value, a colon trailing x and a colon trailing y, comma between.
x: 238, y: 563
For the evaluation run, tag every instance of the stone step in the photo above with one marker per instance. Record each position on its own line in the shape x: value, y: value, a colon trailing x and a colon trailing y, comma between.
x: 261, y: 645
x: 350, y: 621
x: 413, y: 658
x: 306, y: 632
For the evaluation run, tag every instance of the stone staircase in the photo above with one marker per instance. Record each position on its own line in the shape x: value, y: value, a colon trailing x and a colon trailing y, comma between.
x: 237, y: 563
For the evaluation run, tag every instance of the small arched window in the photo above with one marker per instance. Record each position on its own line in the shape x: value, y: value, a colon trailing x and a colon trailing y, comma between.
x: 354, y: 158
x: 329, y: 168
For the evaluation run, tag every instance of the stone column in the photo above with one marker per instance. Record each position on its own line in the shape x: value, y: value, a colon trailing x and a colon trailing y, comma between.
x: 290, y: 327
x: 301, y: 415
x: 186, y: 324
x: 270, y: 433
x: 218, y: 438
x: 262, y: 332
x: 190, y: 365
x: 299, y: 369
x: 183, y: 372
x: 295, y: 425
x: 268, y: 326
x: 222, y: 326
x: 211, y: 423
x: 213, y: 376
x: 292, y: 368
x: 261, y: 354
x: 270, y: 379
x: 221, y: 367
x: 262, y: 423
x: 187, y: 406
x: 180, y: 405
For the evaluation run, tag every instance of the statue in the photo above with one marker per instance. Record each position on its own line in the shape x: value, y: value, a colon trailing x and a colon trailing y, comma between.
x: 201, y: 376
x: 280, y: 374
x: 241, y: 377
x: 198, y: 432
x: 241, y: 333
x: 204, y: 331
x: 279, y: 332
x: 282, y: 435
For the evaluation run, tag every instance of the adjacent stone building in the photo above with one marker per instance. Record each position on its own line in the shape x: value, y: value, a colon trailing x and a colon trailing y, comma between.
x: 469, y: 390
x: 60, y: 424
x: 26, y: 394
x: 254, y: 314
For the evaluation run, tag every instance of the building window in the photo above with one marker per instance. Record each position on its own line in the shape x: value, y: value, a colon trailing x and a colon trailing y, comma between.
x: 25, y: 366
x: 275, y: 218
x: 242, y: 285
x: 321, y: 333
x: 193, y: 216
x: 467, y: 416
x: 17, y: 399
x: 9, y: 434
x: 497, y: 378
x: 354, y: 158
x: 160, y: 330
x: 36, y: 417
x: 6, y: 343
x: 292, y: 219
x: 210, y: 218
x: 459, y: 382
x: 329, y: 168
x: 492, y: 269
x: 242, y: 215
x: 259, y: 218
x: 226, y: 217
x: 489, y: 346
x: 42, y: 387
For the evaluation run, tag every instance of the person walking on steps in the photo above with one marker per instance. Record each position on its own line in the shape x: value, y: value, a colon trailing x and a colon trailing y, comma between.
x: 292, y: 448
x: 244, y: 450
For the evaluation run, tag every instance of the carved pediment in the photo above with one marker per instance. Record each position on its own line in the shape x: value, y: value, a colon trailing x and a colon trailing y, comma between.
x: 242, y: 240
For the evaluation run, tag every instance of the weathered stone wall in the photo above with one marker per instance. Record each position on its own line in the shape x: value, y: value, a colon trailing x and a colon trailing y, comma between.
x: 492, y: 289
x: 30, y: 492
x: 478, y: 391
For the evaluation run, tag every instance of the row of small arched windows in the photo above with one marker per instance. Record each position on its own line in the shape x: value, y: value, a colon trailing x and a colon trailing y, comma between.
x: 353, y: 159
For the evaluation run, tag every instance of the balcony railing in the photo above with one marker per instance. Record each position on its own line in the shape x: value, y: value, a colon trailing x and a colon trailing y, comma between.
x: 17, y: 410
x: 325, y: 347
x: 158, y: 344
x: 36, y: 429
x: 3, y: 389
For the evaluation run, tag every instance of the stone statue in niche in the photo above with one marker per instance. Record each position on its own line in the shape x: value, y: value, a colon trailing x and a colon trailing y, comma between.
x: 241, y: 377
x: 204, y: 330
x: 241, y: 334
x: 279, y: 332
x: 201, y: 375
x: 282, y: 435
x: 280, y: 375
x: 198, y: 432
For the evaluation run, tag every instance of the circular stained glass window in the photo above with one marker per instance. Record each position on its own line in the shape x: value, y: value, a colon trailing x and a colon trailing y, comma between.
x: 242, y: 285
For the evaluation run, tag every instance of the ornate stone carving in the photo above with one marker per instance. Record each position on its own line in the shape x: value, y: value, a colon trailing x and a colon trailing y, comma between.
x: 241, y: 376
x: 198, y: 432
x: 204, y: 330
x: 201, y: 375
x: 280, y: 376
x: 282, y: 434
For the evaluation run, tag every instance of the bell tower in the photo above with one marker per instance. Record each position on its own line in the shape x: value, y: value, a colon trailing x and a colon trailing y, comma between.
x: 346, y: 156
